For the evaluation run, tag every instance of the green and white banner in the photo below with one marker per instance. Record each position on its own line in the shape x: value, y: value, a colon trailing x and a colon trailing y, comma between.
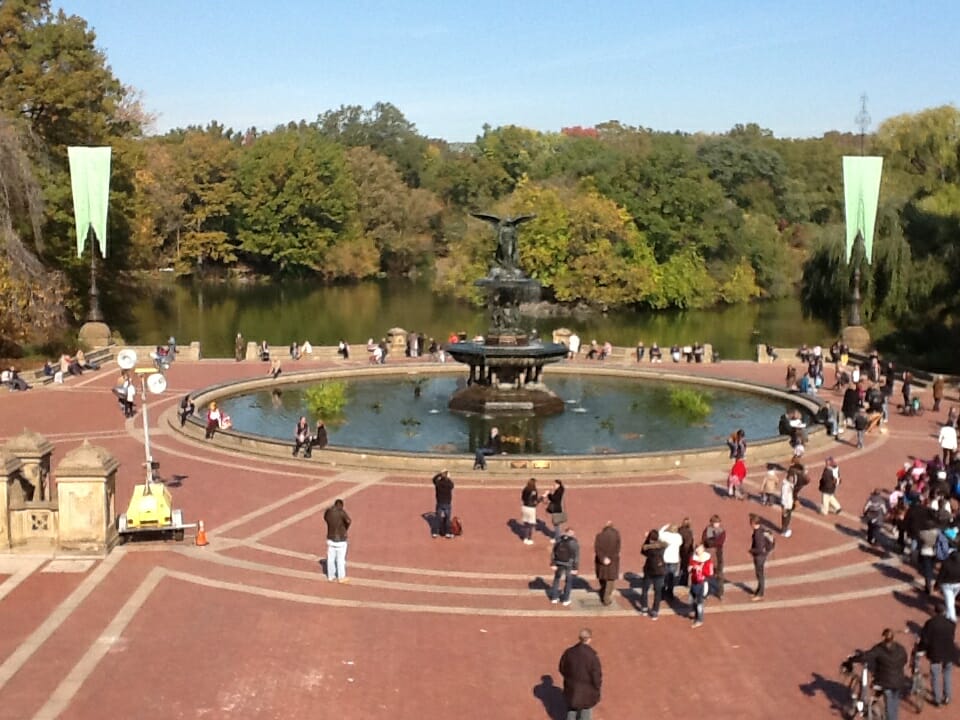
x: 90, y: 181
x: 861, y: 196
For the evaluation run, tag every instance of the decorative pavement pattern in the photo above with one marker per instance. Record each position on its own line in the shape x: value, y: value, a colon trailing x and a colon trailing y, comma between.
x: 248, y: 627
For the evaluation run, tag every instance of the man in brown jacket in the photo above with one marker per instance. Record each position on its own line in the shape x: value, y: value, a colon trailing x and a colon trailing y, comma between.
x: 582, y: 677
x: 606, y: 550
x: 338, y: 522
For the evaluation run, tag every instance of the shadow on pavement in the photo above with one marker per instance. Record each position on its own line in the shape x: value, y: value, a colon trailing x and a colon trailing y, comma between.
x: 836, y: 692
x: 552, y: 698
x: 516, y: 527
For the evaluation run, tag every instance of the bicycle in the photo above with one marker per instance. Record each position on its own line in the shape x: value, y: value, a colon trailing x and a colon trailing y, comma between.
x: 916, y: 695
x: 866, y: 698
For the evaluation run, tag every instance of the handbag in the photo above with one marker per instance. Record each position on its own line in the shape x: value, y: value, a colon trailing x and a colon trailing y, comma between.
x: 559, y: 518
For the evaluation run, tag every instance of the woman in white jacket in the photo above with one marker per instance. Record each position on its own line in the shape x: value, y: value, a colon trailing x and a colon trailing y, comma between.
x: 948, y: 443
x: 787, y: 501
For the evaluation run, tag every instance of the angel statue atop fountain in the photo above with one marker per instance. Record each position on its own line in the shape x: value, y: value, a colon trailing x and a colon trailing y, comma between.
x: 507, y: 258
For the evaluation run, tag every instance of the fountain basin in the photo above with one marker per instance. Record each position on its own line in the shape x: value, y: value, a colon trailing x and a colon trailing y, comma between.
x: 457, y: 455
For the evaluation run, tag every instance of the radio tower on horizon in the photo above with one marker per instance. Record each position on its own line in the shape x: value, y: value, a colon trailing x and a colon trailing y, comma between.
x: 863, y: 121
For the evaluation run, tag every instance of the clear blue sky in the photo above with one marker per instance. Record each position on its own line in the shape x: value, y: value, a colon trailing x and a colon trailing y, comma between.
x: 797, y: 68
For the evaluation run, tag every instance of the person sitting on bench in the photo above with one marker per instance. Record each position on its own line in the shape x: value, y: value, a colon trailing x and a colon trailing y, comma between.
x: 187, y: 407
x: 319, y: 440
x: 494, y: 446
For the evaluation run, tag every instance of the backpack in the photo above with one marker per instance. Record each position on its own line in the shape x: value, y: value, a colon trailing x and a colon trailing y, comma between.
x: 942, y: 548
x: 562, y: 552
x: 875, y: 511
x: 456, y: 527
x: 770, y: 540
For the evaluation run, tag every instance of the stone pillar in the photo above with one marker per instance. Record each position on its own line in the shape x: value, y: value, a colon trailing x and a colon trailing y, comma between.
x: 10, y: 467
x: 397, y: 342
x: 34, y: 452
x: 86, y: 490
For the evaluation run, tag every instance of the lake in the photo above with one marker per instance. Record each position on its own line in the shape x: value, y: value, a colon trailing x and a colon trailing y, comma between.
x: 282, y: 312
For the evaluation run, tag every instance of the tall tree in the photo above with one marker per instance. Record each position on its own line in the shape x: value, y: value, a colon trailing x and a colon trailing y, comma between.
x: 383, y: 128
x: 398, y: 219
x: 298, y: 202
x: 56, y: 87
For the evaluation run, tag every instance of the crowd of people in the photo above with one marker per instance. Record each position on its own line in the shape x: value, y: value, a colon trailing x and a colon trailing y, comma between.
x: 918, y: 515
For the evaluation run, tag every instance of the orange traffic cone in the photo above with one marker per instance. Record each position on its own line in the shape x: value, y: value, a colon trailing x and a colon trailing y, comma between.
x: 201, y: 535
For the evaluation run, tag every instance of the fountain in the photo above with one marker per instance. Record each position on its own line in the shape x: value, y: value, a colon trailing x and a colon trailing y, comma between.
x: 506, y: 367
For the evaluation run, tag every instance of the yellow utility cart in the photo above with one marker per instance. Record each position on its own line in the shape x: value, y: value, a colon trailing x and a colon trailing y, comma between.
x: 151, y: 507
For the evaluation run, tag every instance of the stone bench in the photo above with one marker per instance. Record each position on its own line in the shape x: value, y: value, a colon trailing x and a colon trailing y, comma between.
x: 97, y: 357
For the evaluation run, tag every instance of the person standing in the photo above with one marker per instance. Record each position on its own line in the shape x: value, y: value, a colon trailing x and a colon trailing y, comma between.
x: 670, y: 535
x: 735, y: 478
x: 606, y: 550
x: 829, y: 417
x: 214, y: 417
x: 860, y: 424
x: 759, y: 549
x: 829, y: 483
x: 948, y: 444
x: 239, y: 348
x: 130, y: 399
x: 713, y: 538
x: 558, y: 515
x: 654, y: 572
x: 938, y: 384
x: 582, y: 677
x: 565, y: 563
x: 700, y: 570
x: 443, y: 490
x: 737, y: 443
x: 686, y: 549
x: 948, y: 580
x: 874, y: 512
x: 887, y: 659
x: 574, y: 346
x: 338, y: 523
x: 937, y: 640
x: 529, y: 499
x: 787, y: 503
x: 187, y: 408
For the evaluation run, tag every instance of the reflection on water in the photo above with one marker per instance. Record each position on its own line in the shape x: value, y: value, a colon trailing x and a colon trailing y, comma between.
x: 283, y: 312
x: 603, y: 415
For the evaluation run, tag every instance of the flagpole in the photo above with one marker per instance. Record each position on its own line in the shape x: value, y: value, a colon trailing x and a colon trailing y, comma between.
x: 94, y: 315
x: 855, y: 298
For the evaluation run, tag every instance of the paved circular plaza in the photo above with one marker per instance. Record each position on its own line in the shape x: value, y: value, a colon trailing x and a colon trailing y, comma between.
x: 248, y: 627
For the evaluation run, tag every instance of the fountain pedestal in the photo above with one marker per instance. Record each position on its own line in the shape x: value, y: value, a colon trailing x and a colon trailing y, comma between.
x: 506, y: 369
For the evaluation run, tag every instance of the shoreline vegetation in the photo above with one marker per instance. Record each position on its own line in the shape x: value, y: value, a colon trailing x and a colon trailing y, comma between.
x: 626, y: 217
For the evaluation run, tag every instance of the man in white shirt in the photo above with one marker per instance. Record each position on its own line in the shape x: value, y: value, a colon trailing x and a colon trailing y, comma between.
x: 574, y: 346
x: 670, y: 535
x: 948, y: 443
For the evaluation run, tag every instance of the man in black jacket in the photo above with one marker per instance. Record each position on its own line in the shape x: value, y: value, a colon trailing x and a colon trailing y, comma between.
x: 338, y: 523
x: 829, y: 482
x: 948, y: 580
x: 886, y: 661
x: 443, y: 488
x: 565, y: 562
x: 759, y: 548
x: 582, y: 677
x: 937, y: 641
x: 713, y: 538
